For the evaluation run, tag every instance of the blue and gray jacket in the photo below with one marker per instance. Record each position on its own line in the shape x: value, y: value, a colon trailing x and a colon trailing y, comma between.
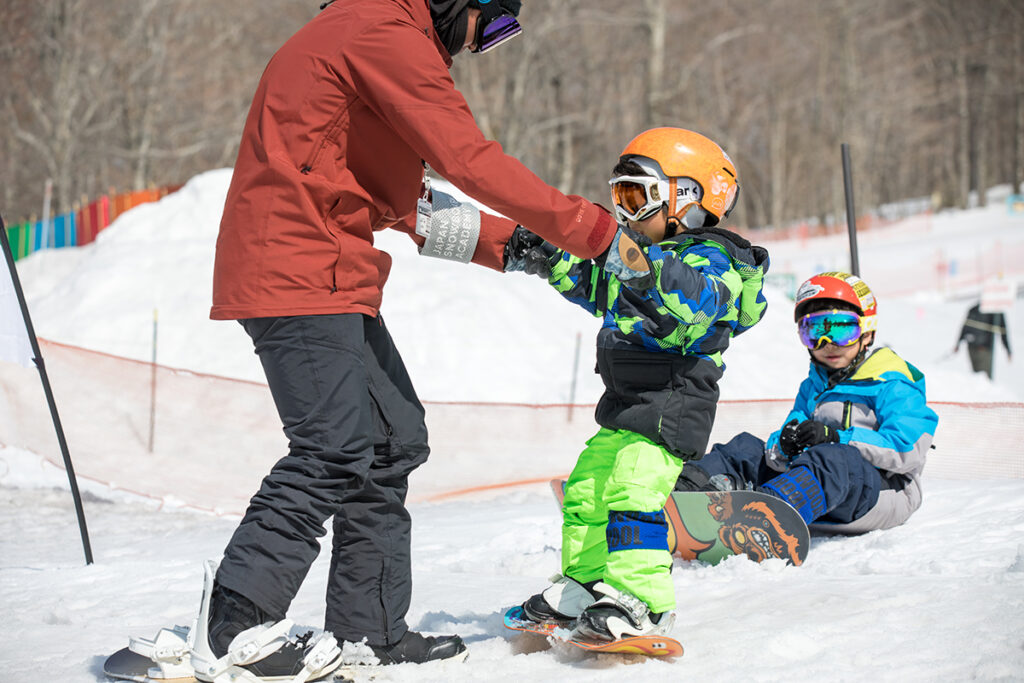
x: 882, y: 411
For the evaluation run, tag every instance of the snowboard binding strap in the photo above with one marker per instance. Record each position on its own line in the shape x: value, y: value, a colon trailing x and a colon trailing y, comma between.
x: 249, y: 646
x: 169, y: 651
x: 261, y: 641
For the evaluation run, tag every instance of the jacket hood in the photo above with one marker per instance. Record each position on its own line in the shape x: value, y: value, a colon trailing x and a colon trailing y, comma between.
x: 451, y: 19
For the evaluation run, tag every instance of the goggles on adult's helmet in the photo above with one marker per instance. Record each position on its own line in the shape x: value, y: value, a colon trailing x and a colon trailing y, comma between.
x: 835, y: 326
x: 495, y: 26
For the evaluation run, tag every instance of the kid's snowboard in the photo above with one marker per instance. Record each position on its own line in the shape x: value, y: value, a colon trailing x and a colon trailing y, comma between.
x: 712, y: 525
x: 651, y: 646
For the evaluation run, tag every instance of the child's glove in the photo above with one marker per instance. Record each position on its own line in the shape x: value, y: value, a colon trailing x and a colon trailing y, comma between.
x: 811, y: 433
x: 788, y: 441
x: 627, y: 260
x: 529, y: 253
x: 519, y: 243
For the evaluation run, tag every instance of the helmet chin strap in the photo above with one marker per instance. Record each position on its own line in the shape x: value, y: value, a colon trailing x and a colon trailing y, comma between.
x: 673, y: 226
x: 692, y: 217
x: 837, y: 375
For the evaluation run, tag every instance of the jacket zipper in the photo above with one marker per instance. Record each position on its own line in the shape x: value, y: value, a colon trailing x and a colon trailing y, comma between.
x: 321, y: 143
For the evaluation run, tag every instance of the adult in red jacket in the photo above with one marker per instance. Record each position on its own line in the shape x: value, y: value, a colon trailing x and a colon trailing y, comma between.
x: 344, y: 120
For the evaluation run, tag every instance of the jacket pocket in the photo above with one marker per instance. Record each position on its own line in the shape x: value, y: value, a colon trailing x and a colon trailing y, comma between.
x: 326, y: 139
x: 688, y: 417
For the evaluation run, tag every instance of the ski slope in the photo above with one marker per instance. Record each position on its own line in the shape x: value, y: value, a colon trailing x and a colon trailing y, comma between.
x: 941, y: 598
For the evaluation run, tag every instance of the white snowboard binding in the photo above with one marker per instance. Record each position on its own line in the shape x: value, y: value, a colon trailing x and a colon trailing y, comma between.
x: 169, y: 651
x: 322, y: 655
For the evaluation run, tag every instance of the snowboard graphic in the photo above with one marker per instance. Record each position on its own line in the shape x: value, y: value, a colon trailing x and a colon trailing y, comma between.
x: 712, y: 525
x: 651, y: 646
x: 125, y: 665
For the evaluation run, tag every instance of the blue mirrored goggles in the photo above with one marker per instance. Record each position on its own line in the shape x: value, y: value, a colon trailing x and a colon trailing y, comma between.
x: 493, y: 29
x: 841, y: 328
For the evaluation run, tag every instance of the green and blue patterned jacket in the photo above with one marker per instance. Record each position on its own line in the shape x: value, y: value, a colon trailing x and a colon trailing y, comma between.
x: 660, y: 350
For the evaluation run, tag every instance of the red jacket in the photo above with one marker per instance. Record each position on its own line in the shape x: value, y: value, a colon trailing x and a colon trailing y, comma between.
x: 333, y: 149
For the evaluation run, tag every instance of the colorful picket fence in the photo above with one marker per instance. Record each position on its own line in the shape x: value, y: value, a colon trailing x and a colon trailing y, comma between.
x: 80, y: 227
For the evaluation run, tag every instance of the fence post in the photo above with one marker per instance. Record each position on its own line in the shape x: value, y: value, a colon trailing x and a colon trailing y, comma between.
x: 575, y: 373
x: 152, y: 386
x: 47, y: 194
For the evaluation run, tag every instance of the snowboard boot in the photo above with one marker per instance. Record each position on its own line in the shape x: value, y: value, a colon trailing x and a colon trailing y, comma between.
x: 416, y: 648
x: 562, y: 601
x: 800, y: 488
x: 620, y: 615
x: 233, y: 639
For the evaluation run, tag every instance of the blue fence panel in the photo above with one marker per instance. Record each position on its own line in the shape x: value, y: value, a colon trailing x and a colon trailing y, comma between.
x: 37, y: 234
x: 63, y: 231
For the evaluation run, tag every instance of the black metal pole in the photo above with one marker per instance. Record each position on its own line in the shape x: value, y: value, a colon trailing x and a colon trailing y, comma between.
x: 851, y: 216
x: 38, y: 358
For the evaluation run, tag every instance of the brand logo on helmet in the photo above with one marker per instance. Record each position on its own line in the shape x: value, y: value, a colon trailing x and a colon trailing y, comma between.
x: 808, y: 290
x: 689, y: 189
x: 719, y: 189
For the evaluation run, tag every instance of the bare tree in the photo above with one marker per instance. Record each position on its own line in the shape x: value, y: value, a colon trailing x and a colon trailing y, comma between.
x: 929, y: 93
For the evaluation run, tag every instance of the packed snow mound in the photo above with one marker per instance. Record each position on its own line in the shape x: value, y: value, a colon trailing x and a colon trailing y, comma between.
x: 471, y: 334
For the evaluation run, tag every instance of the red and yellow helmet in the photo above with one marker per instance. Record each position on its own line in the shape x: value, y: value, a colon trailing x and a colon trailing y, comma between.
x: 839, y: 286
x: 689, y: 169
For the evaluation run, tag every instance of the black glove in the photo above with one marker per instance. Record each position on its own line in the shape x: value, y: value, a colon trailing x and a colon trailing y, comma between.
x: 627, y: 260
x: 811, y: 433
x: 529, y: 253
x: 520, y: 242
x: 539, y: 260
x: 788, y: 441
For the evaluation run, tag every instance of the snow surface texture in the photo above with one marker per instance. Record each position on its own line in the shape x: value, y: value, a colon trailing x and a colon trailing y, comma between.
x: 941, y: 598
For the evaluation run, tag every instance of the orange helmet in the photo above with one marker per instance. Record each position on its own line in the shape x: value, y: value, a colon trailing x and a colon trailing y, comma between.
x: 691, y: 170
x: 839, y: 286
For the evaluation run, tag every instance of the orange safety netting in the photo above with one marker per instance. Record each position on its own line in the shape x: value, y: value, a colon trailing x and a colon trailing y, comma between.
x: 214, y: 438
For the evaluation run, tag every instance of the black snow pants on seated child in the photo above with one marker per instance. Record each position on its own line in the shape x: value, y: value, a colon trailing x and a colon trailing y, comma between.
x: 355, y: 431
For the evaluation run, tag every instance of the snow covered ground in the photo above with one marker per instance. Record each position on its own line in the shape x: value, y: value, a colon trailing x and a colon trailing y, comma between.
x: 941, y: 598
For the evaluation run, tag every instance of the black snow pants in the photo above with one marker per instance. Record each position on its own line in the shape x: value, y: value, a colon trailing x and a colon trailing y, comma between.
x: 355, y: 431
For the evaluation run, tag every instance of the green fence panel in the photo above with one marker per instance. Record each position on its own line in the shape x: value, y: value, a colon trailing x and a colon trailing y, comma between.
x: 20, y: 237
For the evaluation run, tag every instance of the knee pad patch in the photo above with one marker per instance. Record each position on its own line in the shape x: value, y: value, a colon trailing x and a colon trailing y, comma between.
x: 631, y: 530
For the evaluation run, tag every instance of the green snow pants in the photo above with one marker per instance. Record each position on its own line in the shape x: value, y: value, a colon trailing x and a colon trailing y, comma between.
x: 613, y: 526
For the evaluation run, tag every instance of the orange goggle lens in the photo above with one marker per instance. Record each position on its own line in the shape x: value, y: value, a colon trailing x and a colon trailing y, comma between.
x: 637, y: 198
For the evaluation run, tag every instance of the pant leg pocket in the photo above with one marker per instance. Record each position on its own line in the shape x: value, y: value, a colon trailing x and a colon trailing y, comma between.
x: 399, y: 432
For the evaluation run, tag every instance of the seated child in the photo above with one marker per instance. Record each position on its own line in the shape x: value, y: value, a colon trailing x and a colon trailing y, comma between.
x: 659, y: 353
x: 851, y: 452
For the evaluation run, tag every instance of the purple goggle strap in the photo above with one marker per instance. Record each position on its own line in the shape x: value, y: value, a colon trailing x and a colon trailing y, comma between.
x: 495, y: 29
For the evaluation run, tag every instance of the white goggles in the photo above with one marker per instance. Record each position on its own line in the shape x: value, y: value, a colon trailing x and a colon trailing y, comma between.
x: 637, y: 198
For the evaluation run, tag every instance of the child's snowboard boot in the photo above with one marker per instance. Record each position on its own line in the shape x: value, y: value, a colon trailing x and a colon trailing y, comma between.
x: 619, y: 615
x: 562, y: 601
